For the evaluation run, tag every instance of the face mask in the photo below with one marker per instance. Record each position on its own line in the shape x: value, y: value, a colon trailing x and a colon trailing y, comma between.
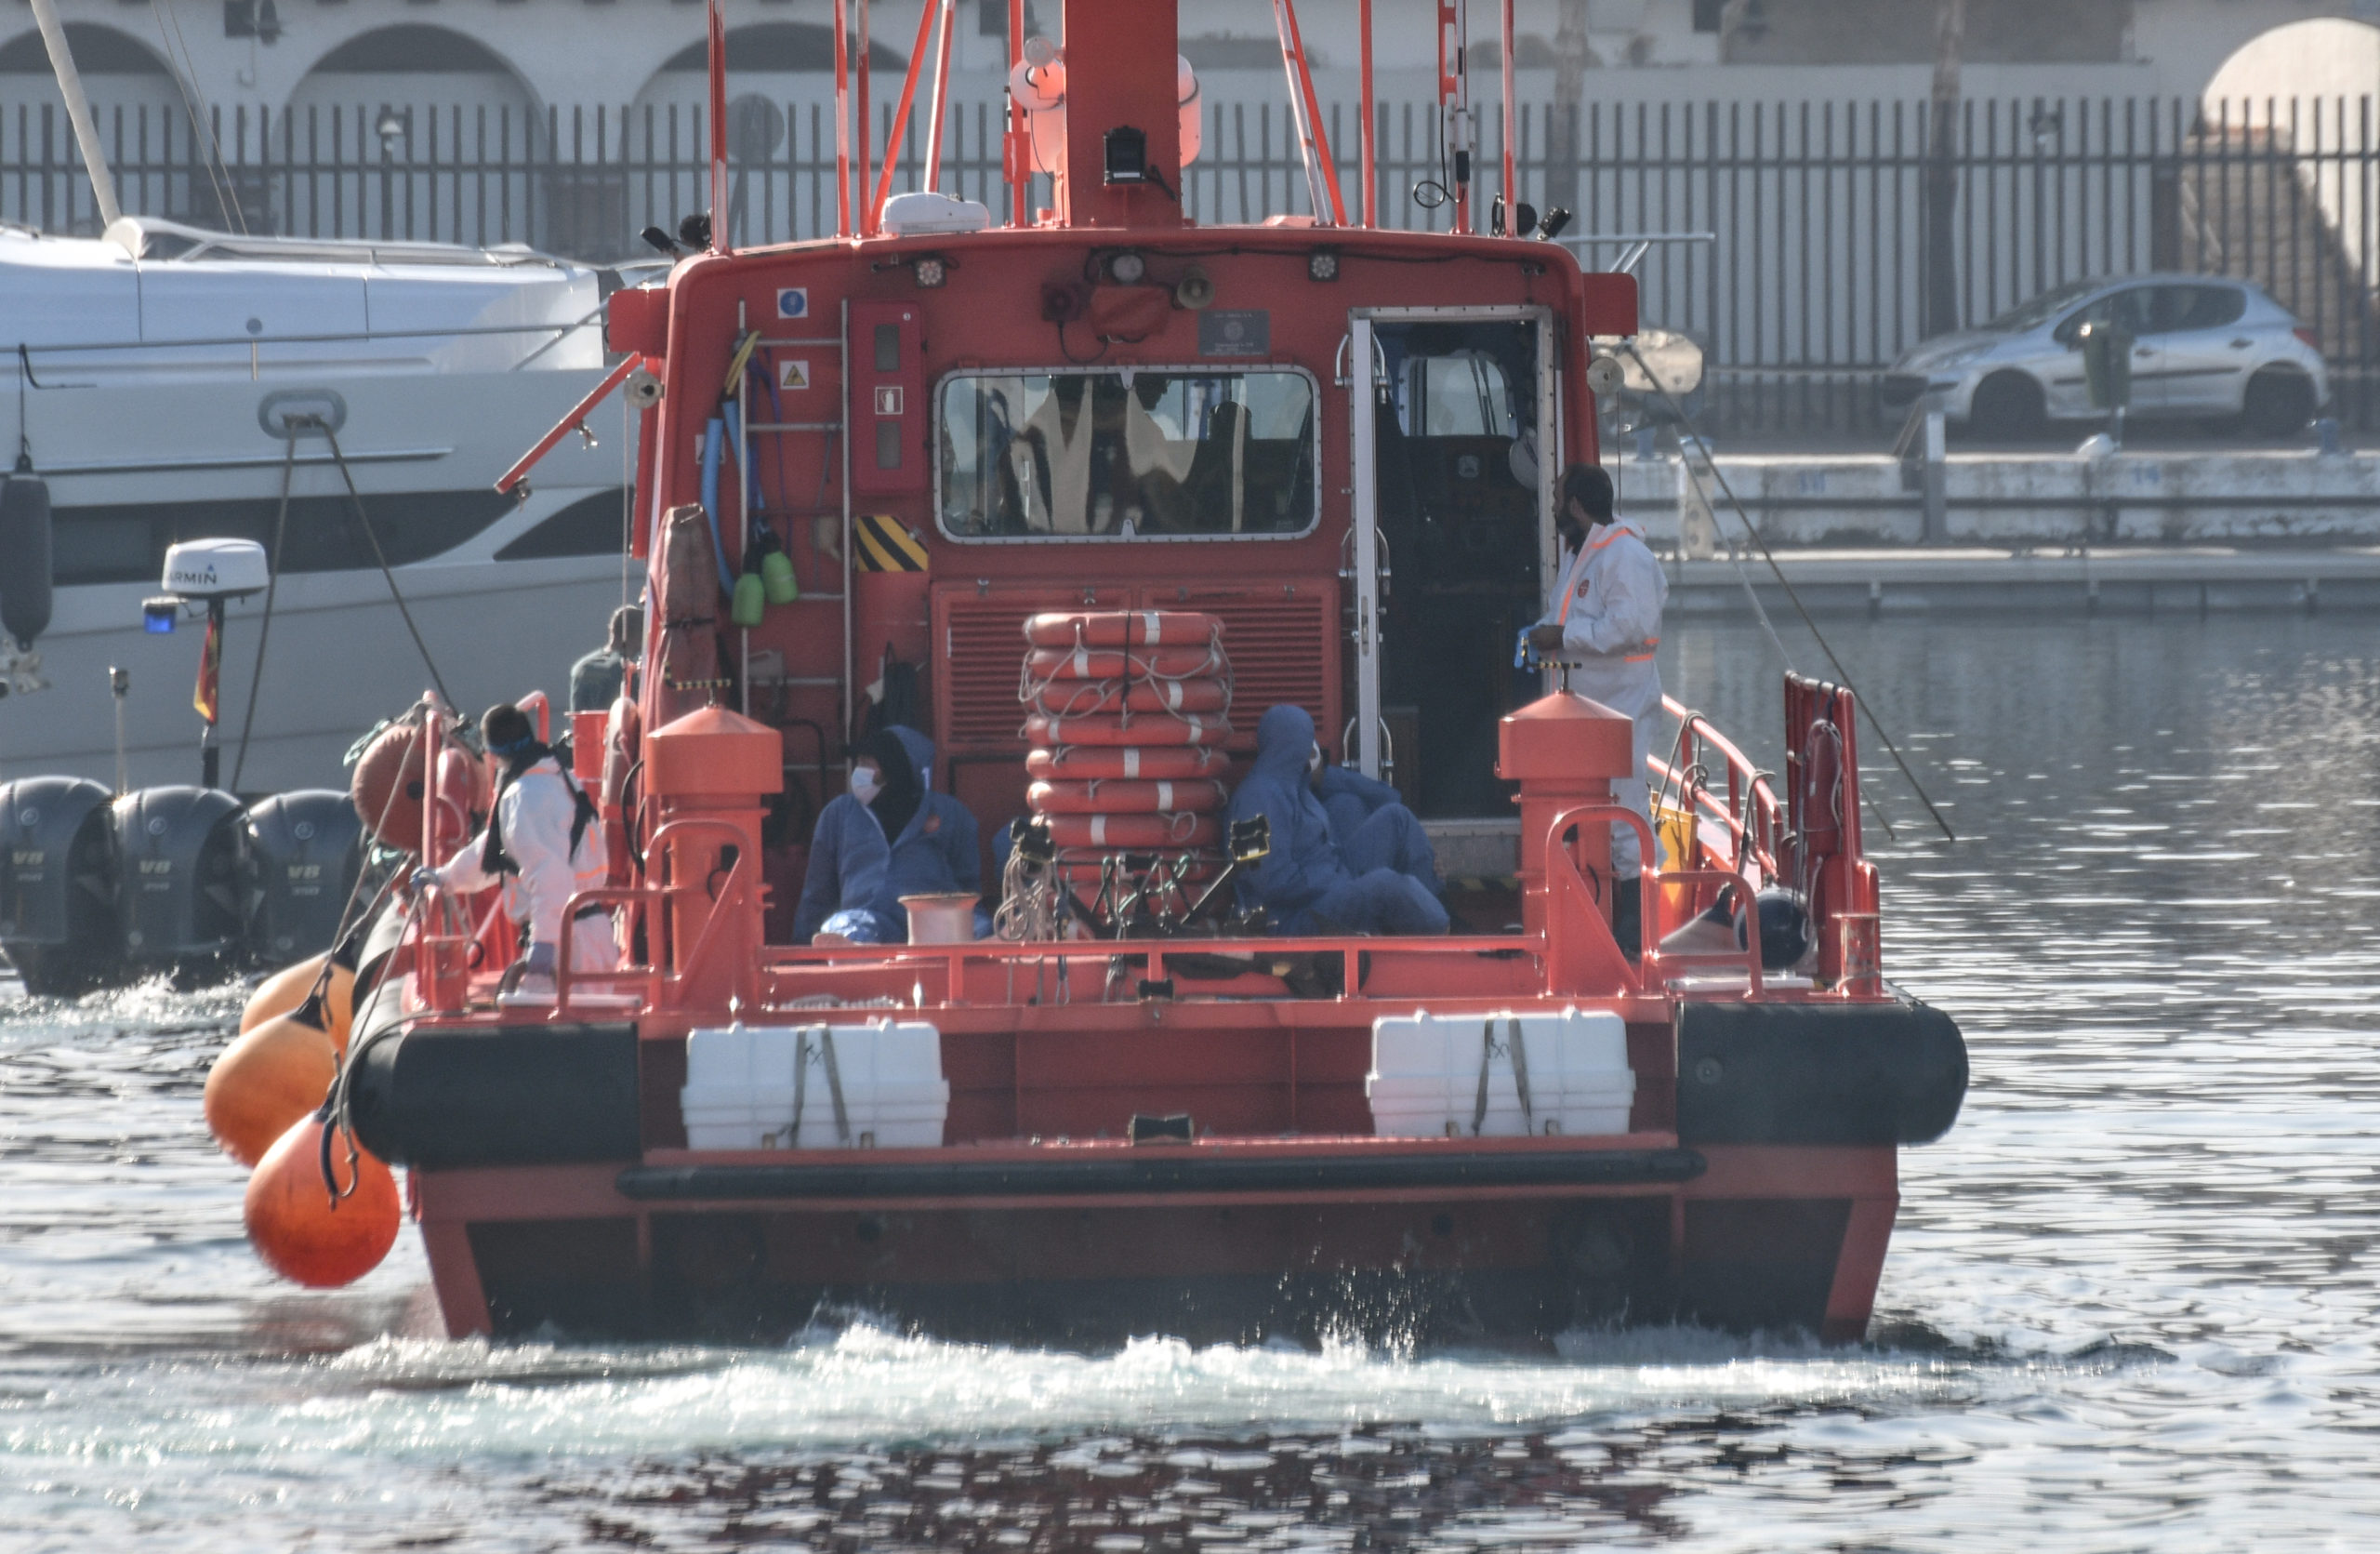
x: 1314, y: 760
x: 865, y: 786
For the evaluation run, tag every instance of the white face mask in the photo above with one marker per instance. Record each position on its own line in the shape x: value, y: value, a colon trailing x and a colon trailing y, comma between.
x: 1314, y: 760
x: 865, y: 785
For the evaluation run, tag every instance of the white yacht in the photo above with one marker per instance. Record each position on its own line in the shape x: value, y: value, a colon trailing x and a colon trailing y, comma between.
x: 168, y: 380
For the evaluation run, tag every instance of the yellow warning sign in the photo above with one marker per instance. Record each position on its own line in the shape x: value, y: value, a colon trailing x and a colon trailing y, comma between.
x: 793, y: 374
x: 886, y: 545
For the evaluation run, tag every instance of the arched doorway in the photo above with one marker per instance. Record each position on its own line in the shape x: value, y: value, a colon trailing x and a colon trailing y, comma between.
x: 781, y: 127
x: 2293, y: 118
x: 412, y: 132
x: 144, y: 131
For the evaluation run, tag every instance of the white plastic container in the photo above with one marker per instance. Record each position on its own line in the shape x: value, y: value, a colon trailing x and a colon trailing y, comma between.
x: 1427, y: 1071
x: 745, y: 1086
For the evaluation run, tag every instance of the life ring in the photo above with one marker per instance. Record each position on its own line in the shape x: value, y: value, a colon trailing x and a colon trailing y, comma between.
x: 1121, y: 796
x: 1085, y: 762
x: 1075, y: 698
x: 1170, y: 662
x: 1124, y: 628
x: 1135, y: 831
x: 1111, y: 728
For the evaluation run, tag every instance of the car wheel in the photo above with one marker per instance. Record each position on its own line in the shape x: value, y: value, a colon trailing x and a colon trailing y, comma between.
x: 2007, y: 405
x: 2279, y: 402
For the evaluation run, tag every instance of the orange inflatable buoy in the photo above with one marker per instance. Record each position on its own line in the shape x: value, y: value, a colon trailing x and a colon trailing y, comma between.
x: 296, y: 1227
x: 1123, y: 629
x: 288, y: 989
x: 388, y: 787
x: 1120, y: 796
x: 1075, y: 698
x: 1113, y: 728
x: 1135, y: 831
x: 265, y: 1080
x: 1082, y: 763
x: 1145, y: 663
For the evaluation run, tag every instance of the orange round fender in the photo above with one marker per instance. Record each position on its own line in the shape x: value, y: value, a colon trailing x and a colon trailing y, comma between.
x: 299, y: 1230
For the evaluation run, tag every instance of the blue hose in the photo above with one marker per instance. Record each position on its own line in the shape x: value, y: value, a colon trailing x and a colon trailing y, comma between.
x: 714, y: 436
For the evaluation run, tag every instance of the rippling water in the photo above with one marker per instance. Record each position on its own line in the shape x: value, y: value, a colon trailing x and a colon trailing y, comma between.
x: 2130, y: 1303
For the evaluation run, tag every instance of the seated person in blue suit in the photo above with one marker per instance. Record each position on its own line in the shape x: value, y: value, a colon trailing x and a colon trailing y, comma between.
x: 1378, y: 878
x: 891, y: 836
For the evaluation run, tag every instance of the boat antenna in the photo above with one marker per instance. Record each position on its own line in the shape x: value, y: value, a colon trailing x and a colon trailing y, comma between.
x: 78, y: 111
x: 717, y: 60
x: 1842, y: 674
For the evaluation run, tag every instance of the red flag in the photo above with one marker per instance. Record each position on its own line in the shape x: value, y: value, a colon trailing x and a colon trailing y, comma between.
x: 207, y: 698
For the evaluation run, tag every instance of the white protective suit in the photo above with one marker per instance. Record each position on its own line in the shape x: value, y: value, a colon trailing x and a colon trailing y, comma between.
x: 534, y: 814
x: 1610, y: 609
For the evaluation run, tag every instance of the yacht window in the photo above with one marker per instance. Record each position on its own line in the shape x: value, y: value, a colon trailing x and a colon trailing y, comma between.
x: 1126, y: 453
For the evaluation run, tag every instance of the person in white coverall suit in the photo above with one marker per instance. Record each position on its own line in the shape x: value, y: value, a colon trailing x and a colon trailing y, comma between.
x: 545, y: 842
x: 1604, y: 623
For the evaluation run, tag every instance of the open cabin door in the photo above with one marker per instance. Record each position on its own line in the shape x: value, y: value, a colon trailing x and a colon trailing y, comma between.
x: 1455, y: 423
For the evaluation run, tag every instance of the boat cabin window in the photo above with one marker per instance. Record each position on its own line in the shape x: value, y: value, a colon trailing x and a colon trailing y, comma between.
x: 1456, y: 396
x: 1128, y: 453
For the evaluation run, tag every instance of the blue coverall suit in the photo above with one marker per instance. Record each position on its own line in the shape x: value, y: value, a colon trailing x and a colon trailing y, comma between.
x: 1306, y: 884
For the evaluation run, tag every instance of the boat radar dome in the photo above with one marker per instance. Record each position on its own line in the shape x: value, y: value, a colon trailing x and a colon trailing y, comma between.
x: 926, y: 210
x: 206, y: 569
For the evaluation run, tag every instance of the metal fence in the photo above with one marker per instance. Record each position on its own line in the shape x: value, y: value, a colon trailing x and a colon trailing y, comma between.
x: 1814, y: 281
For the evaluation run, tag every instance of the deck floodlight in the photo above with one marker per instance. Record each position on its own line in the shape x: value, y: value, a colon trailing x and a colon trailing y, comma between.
x: 1554, y: 222
x: 929, y: 271
x: 1322, y: 265
x: 1128, y: 269
x: 1251, y: 840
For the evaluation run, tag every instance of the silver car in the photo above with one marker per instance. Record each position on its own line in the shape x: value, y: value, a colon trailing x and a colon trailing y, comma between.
x: 2204, y: 347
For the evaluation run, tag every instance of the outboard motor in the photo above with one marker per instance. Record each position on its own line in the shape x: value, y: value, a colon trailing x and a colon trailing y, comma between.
x: 179, y: 850
x: 57, y: 880
x: 303, y: 852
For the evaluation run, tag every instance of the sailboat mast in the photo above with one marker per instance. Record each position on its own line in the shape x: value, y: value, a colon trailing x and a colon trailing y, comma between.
x: 78, y: 110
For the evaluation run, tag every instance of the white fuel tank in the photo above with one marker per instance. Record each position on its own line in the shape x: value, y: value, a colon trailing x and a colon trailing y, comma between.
x: 777, y: 1087
x: 1500, y: 1075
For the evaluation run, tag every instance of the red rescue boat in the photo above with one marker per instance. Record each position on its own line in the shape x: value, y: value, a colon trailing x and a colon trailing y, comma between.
x: 1084, y: 449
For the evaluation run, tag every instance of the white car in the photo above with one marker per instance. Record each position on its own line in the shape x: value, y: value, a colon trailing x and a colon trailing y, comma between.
x: 2204, y: 347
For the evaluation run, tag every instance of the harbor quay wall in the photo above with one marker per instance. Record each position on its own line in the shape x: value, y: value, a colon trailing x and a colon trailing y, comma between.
x: 2142, y: 532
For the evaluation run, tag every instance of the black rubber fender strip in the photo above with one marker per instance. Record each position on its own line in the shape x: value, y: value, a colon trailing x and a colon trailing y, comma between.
x: 1169, y: 1173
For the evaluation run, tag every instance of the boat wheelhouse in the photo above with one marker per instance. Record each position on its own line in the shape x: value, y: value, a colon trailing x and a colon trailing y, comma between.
x: 1331, y: 448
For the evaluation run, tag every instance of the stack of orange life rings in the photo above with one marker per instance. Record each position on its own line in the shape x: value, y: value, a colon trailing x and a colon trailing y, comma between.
x: 1127, y: 712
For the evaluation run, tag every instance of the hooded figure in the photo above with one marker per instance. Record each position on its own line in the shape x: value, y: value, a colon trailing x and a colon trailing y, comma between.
x: 1605, y: 622
x: 891, y: 836
x: 544, y: 841
x: 1305, y: 885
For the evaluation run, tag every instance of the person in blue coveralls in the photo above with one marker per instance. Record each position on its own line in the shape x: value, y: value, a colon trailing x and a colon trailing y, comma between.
x: 1377, y: 877
x: 891, y: 836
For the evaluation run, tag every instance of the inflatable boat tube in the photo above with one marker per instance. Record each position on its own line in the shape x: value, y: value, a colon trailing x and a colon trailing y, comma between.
x: 1124, y: 628
x: 1120, y: 796
x: 1817, y: 1073
x: 1148, y: 663
x: 1111, y: 728
x: 1087, y: 763
x: 516, y: 1095
x: 1135, y: 831
x: 1075, y: 698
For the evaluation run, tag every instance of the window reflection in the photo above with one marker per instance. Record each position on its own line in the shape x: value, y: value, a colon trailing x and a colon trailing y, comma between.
x: 1126, y: 453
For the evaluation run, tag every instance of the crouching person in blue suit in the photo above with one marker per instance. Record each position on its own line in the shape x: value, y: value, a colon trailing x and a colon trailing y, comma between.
x: 891, y: 836
x: 1381, y: 879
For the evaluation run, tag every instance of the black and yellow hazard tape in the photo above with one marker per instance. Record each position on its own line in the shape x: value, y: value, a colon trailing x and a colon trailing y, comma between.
x: 886, y: 545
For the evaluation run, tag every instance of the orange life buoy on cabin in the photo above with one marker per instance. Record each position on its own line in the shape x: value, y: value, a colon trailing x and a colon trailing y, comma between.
x: 1121, y: 796
x: 1114, y: 728
x: 1123, y: 629
x: 1075, y: 698
x: 1170, y: 662
x: 1135, y: 831
x: 1084, y: 763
